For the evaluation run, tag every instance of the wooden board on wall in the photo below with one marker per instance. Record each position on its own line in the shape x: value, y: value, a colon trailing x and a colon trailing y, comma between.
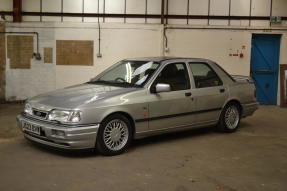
x: 75, y: 52
x: 48, y: 55
x: 20, y: 51
x: 2, y: 63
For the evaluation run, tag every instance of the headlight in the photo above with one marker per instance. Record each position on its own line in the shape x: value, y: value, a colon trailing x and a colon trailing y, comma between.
x: 28, y: 109
x: 65, y: 116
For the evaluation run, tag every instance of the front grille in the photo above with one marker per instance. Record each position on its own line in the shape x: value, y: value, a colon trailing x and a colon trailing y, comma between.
x: 40, y: 114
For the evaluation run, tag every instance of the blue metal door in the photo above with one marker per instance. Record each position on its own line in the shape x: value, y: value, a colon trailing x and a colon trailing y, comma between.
x: 265, y: 66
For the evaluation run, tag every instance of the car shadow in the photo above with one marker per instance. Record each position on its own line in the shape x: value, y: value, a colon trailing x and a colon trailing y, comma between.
x: 173, y: 136
x: 78, y: 153
x: 148, y: 141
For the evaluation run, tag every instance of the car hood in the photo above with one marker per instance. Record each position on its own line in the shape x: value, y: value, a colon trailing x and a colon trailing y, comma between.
x: 77, y: 96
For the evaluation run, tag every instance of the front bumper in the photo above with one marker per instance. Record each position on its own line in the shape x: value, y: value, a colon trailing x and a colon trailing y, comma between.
x: 75, y: 137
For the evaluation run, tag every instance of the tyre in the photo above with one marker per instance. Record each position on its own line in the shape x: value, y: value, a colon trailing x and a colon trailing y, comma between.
x: 230, y: 118
x: 114, y: 135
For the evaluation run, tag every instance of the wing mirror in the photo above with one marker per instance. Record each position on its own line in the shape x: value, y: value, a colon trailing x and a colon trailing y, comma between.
x: 161, y: 88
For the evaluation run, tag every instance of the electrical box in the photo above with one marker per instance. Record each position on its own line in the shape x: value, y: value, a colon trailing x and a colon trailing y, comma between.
x: 275, y: 19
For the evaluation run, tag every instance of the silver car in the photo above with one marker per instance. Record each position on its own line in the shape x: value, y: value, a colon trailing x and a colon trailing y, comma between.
x: 136, y: 98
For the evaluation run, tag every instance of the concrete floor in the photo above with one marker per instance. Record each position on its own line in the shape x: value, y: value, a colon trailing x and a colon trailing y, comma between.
x: 254, y: 158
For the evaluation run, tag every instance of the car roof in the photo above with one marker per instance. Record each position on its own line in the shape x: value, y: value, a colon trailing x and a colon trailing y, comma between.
x: 164, y: 58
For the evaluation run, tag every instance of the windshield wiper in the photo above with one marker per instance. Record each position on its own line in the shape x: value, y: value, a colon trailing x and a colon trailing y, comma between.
x: 127, y: 84
x: 99, y: 82
x: 114, y: 83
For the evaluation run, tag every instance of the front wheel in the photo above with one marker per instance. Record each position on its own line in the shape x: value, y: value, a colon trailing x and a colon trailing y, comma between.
x: 114, y: 135
x: 229, y: 118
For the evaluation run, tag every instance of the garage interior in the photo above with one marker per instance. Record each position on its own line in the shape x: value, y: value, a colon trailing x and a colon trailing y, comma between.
x: 51, y: 44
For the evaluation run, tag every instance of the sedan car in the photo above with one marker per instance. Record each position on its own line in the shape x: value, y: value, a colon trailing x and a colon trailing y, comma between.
x: 136, y: 98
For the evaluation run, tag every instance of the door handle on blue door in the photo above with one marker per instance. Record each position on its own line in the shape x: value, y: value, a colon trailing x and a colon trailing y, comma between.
x: 188, y: 94
x: 222, y: 90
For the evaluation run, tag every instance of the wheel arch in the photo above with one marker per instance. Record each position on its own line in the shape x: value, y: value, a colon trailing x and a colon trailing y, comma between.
x: 235, y: 101
x: 127, y: 115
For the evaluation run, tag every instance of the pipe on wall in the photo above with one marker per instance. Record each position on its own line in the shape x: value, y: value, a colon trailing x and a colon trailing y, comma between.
x: 250, y: 11
x: 271, y: 11
x: 162, y: 12
x: 229, y: 12
x: 99, y: 54
x: 208, y: 12
x: 37, y: 55
x: 187, y: 12
x: 145, y: 12
x: 62, y: 9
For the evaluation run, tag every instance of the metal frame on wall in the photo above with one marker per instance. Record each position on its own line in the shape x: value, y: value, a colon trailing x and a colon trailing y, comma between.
x: 17, y: 13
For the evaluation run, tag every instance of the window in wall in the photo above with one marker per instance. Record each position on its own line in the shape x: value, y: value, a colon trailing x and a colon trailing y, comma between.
x: 175, y: 75
x: 204, y: 76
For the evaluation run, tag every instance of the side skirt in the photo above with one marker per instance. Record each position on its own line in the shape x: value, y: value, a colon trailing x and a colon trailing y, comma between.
x: 143, y: 134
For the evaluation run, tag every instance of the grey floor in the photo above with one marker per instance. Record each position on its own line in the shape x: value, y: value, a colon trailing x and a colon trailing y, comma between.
x: 254, y: 158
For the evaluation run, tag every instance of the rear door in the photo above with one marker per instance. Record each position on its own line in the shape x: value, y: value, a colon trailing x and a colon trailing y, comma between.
x: 171, y: 109
x: 209, y: 93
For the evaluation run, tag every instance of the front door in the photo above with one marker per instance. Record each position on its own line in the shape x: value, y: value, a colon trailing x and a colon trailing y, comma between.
x: 174, y: 108
x: 265, y: 66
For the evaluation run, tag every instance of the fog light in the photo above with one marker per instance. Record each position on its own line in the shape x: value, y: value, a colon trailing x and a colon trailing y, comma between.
x: 58, y: 132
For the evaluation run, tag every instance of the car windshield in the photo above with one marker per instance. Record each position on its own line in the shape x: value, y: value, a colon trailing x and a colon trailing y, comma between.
x: 133, y: 73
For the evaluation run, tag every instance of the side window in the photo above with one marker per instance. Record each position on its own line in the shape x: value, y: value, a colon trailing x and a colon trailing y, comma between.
x: 204, y: 76
x: 175, y: 75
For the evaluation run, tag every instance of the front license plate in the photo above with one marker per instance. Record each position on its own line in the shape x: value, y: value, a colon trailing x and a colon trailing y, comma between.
x: 31, y: 127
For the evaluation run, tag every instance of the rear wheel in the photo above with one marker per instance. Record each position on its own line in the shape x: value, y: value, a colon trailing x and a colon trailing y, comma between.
x: 229, y: 118
x: 114, y: 135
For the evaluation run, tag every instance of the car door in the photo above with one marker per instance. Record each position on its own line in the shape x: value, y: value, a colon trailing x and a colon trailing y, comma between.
x: 171, y: 109
x: 209, y: 93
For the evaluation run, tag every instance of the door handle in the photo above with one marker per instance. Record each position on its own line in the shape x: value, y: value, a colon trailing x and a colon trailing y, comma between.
x: 222, y: 90
x: 188, y: 94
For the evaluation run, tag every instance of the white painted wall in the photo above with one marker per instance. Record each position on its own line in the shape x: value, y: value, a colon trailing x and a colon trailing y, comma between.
x: 213, y: 44
x: 51, y: 6
x: 153, y: 7
x: 6, y: 5
x: 119, y: 41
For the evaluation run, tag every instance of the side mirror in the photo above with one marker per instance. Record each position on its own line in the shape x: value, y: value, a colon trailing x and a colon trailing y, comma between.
x: 162, y: 88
